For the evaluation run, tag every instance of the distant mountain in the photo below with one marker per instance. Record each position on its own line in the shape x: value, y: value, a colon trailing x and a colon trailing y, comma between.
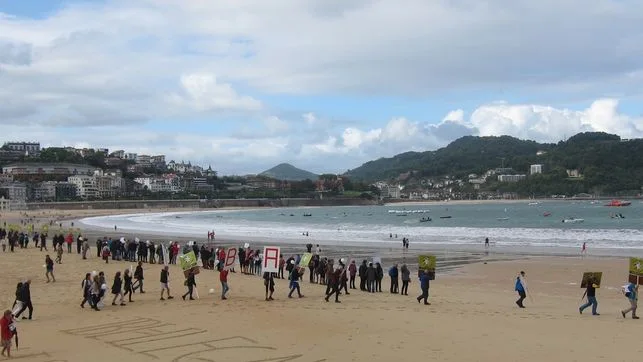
x: 607, y: 163
x: 288, y: 172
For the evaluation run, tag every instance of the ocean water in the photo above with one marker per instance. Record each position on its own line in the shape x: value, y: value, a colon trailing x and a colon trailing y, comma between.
x: 516, y: 225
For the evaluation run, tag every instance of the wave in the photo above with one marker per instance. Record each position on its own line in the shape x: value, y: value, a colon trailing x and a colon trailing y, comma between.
x: 197, y: 224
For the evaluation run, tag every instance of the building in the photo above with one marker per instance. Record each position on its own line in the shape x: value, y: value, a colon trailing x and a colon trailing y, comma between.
x: 108, y: 186
x: 42, y: 191
x: 390, y: 192
x: 511, y: 178
x: 5, y: 178
x: 65, y: 191
x: 26, y: 148
x: 104, y: 151
x: 535, y: 169
x: 56, y: 169
x: 130, y: 156
x: 573, y: 173
x: 117, y: 154
x: 4, y: 204
x: 16, y: 193
x: 158, y: 161
x: 85, y: 186
x: 144, y: 160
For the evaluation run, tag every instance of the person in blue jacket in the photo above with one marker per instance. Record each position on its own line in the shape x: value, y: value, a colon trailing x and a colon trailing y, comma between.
x: 520, y: 288
x: 424, y: 285
x: 631, y: 292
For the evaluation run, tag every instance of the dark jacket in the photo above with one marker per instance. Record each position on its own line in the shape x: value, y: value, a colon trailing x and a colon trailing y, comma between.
x: 406, y: 273
x: 371, y: 273
x: 191, y: 281
x: 117, y: 285
x: 424, y: 281
x: 25, y: 293
x: 362, y: 270
x: 164, y: 276
x: 393, y: 272
x: 138, y: 273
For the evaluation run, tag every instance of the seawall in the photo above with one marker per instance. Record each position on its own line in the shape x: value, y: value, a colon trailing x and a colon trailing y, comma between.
x: 196, y: 204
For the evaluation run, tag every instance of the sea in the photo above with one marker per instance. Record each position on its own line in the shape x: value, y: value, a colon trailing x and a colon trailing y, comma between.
x: 530, y: 227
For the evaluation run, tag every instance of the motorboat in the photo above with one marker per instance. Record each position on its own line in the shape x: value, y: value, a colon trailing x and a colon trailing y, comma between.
x: 546, y: 213
x: 618, y: 203
x: 533, y: 203
x: 503, y: 218
x: 307, y: 215
x: 425, y: 219
x: 445, y: 217
x: 573, y: 220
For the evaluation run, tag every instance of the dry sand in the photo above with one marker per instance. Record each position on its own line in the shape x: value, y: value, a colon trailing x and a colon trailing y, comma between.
x: 472, y: 317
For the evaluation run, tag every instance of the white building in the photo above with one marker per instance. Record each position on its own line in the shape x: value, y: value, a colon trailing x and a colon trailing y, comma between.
x: 511, y: 178
x: 144, y: 160
x: 535, y: 169
x: 44, y: 191
x: 85, y: 186
x: 392, y: 192
x: 4, y: 204
x: 17, y: 195
x: 30, y: 148
x: 130, y: 156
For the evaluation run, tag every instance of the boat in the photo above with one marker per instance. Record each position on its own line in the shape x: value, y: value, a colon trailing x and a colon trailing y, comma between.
x: 308, y: 214
x: 503, y: 218
x: 533, y: 203
x: 402, y: 214
x: 618, y: 203
x: 617, y: 216
x: 573, y: 220
x: 425, y: 219
x: 445, y: 217
x: 546, y: 213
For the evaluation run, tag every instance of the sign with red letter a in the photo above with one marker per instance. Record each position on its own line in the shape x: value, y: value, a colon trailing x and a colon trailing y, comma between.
x: 271, y: 259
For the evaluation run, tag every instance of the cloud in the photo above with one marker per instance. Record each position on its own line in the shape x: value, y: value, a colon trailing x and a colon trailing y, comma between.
x: 114, y: 73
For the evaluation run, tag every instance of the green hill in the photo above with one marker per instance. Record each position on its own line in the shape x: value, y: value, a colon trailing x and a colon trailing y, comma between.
x: 288, y: 172
x: 607, y: 163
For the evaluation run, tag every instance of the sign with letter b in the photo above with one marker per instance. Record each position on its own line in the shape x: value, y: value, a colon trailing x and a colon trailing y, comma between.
x: 271, y: 259
x: 230, y: 259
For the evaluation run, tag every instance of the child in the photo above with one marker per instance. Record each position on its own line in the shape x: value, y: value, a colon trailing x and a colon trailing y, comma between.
x: 8, y: 330
x: 269, y: 283
x: 59, y: 254
x: 223, y: 277
x: 49, y: 265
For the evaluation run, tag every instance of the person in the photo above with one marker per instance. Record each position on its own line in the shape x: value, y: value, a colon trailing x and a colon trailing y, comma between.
x: 352, y: 270
x: 521, y: 289
x: 79, y: 243
x: 371, y: 275
x: 294, y: 281
x: 127, y: 282
x: 106, y: 252
x: 95, y: 292
x: 362, y: 276
x: 223, y: 278
x: 49, y: 268
x: 406, y: 279
x: 59, y: 253
x: 165, y: 282
x: 7, y: 331
x: 86, y: 286
x: 85, y: 248
x: 190, y: 282
x: 117, y: 289
x: 334, y: 281
x: 486, y: 242
x: 394, y: 274
x: 25, y: 298
x: 583, y: 249
x: 631, y: 292
x: 591, y: 297
x: 424, y: 286
x: 17, y: 303
x: 269, y: 283
x: 138, y: 277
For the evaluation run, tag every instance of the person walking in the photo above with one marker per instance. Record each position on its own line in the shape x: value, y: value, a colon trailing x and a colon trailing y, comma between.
x: 631, y: 292
x: 127, y: 282
x: 138, y: 277
x: 165, y: 282
x: 424, y: 286
x: 521, y: 288
x: 334, y: 281
x: 223, y: 278
x: 49, y: 269
x: 591, y: 297
x: 86, y: 286
x: 117, y: 289
x: 190, y: 282
x: 294, y: 281
x: 269, y: 283
x: 406, y: 279
x: 7, y: 332
x: 25, y: 298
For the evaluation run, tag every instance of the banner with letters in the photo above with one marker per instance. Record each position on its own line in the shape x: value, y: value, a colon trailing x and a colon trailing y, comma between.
x: 428, y: 263
x: 231, y: 260
x: 635, y: 270
x: 270, y: 262
x: 305, y: 260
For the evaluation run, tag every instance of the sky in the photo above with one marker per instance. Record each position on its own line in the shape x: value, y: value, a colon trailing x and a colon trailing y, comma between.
x: 323, y: 84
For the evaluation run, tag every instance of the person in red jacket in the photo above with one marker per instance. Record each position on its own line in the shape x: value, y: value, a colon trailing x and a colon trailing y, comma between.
x: 69, y: 239
x: 7, y: 331
x: 223, y: 277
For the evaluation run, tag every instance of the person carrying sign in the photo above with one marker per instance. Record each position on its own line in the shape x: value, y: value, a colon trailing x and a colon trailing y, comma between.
x: 591, y: 297
x: 294, y: 281
x: 631, y: 292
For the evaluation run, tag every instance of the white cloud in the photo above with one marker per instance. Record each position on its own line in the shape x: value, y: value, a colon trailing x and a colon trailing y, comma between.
x: 128, y: 65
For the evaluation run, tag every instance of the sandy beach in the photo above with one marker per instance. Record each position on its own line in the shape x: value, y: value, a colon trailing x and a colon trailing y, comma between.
x: 472, y: 317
